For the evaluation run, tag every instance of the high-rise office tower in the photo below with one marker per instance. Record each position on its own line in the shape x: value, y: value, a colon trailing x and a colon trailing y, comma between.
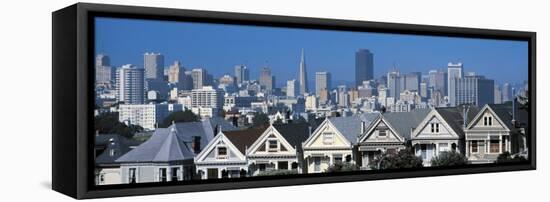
x: 506, y: 92
x: 207, y: 97
x: 200, y: 78
x: 322, y: 81
x: 266, y: 79
x: 241, y: 74
x: 153, y: 63
x: 476, y: 90
x: 394, y: 84
x: 291, y: 88
x: 103, y: 70
x: 364, y: 66
x: 438, y: 81
x: 498, y: 94
x: 130, y: 85
x: 424, y: 90
x: 343, y: 98
x: 303, y: 74
x: 176, y: 75
x: 412, y: 81
x: 454, y: 72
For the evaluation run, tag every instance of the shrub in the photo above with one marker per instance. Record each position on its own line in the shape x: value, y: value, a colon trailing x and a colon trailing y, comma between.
x: 449, y: 158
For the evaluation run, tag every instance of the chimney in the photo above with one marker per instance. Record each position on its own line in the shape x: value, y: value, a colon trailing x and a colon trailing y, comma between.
x: 196, y: 144
x: 465, y: 109
x: 309, y: 130
x: 363, y: 127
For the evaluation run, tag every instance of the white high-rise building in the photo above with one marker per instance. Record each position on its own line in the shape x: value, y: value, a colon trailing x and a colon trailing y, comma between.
x: 322, y: 82
x: 207, y: 98
x: 394, y: 84
x: 130, y: 85
x: 200, y: 78
x: 153, y: 63
x: 267, y: 80
x: 303, y: 75
x: 506, y: 92
x: 146, y: 115
x: 291, y: 88
x: 437, y: 80
x: 454, y: 72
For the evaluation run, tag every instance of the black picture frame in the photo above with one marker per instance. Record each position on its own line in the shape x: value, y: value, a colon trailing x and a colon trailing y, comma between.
x: 73, y: 98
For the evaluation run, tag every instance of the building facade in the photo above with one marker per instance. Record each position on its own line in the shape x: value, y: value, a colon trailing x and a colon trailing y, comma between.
x: 130, y: 85
x: 364, y: 66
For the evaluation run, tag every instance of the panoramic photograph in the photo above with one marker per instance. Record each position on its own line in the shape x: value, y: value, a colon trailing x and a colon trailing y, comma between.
x: 193, y: 101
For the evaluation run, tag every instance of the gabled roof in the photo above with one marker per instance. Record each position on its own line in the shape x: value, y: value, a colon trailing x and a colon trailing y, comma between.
x: 454, y: 116
x: 294, y: 133
x: 350, y: 127
x: 404, y: 122
x: 203, y: 129
x: 504, y: 112
x: 164, y: 146
x: 119, y: 144
x: 242, y: 139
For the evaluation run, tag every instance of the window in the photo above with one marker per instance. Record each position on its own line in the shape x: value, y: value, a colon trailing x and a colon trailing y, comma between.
x: 261, y: 167
x: 490, y: 121
x: 222, y: 152
x: 423, y: 152
x: 328, y: 138
x: 391, y: 151
x: 337, y: 159
x: 443, y: 147
x: 282, y: 165
x: 174, y: 174
x: 162, y: 174
x: 494, y: 144
x: 212, y: 173
x: 132, y: 175
x: 433, y: 127
x: 102, y: 178
x: 382, y: 133
x: 474, y: 146
x: 272, y: 145
x: 317, y: 164
x: 437, y: 127
x: 484, y: 121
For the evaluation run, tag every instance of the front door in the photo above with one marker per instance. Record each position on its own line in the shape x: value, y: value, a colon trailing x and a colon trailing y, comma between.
x: 212, y: 173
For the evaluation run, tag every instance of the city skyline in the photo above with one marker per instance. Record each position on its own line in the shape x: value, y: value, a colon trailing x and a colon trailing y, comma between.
x: 335, y: 54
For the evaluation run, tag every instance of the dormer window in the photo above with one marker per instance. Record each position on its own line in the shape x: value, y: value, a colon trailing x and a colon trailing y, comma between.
x: 222, y: 152
x: 382, y: 133
x: 488, y: 121
x: 328, y: 138
x: 272, y: 145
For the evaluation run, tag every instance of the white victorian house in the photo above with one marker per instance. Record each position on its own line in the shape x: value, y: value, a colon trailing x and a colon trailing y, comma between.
x: 220, y: 159
x: 333, y: 141
x: 389, y: 133
x: 441, y: 130
x: 277, y: 148
x: 488, y: 134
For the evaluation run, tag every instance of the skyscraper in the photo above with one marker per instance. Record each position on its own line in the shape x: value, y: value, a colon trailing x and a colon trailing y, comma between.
x: 412, y: 81
x: 291, y: 88
x: 266, y: 79
x: 323, y: 80
x: 130, y: 84
x: 342, y: 96
x: 454, y: 72
x: 103, y: 70
x: 201, y: 78
x: 475, y: 90
x: 498, y: 94
x: 506, y: 92
x: 303, y: 74
x: 438, y: 81
x: 394, y: 84
x: 207, y: 98
x: 364, y: 66
x: 241, y: 73
x: 153, y: 63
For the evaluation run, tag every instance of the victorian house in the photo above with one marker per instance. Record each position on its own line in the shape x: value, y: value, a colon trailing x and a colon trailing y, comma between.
x: 389, y: 133
x: 333, y: 141
x: 441, y: 130
x: 277, y: 148
x: 224, y: 156
x: 108, y: 148
x: 495, y: 130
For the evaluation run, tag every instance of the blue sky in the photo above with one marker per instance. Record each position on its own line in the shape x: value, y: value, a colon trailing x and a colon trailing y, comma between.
x: 218, y: 48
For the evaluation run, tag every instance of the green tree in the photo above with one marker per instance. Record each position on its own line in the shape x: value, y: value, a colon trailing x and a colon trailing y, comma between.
x: 405, y: 158
x: 179, y: 116
x: 107, y: 123
x: 449, y: 158
x: 260, y: 119
x: 342, y: 167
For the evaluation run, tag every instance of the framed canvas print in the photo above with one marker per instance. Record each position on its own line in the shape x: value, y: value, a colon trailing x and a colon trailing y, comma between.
x: 155, y: 100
